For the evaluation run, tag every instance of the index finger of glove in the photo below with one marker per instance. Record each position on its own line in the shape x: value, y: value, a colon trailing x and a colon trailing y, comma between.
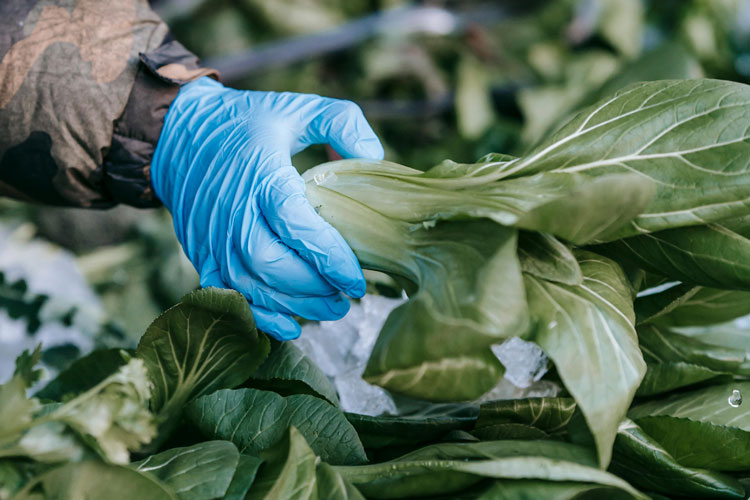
x: 294, y: 220
x: 343, y: 125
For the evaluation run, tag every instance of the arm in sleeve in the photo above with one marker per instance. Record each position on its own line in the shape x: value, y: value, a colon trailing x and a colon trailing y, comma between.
x: 84, y: 87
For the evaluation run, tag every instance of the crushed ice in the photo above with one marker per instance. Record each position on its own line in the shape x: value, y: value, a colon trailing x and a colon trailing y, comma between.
x: 525, y: 362
x: 341, y: 349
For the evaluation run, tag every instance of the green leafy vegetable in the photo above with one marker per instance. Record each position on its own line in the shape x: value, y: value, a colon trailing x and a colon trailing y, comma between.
x: 333, y: 486
x: 663, y: 345
x: 449, y: 191
x: 600, y: 171
x: 206, y: 342
x: 675, y: 360
x: 295, y: 473
x: 549, y: 415
x: 652, y: 307
x: 384, y: 430
x: 700, y: 428
x: 642, y: 461
x: 113, y: 413
x: 545, y: 257
x: 439, y: 338
x: 112, y: 418
x: 509, y: 430
x: 725, y: 335
x: 588, y: 332
x: 16, y: 410
x: 94, y: 480
x: 436, y: 346
x: 446, y: 468
x: 244, y: 477
x: 200, y: 472
x: 287, y: 371
x: 83, y: 374
x: 563, y: 490
x: 296, y: 479
x: 694, y: 306
x: 663, y: 131
x: 711, y: 255
x: 667, y: 376
x: 234, y: 415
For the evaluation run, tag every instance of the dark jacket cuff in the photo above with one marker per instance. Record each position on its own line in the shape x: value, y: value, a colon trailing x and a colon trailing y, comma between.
x: 127, y: 164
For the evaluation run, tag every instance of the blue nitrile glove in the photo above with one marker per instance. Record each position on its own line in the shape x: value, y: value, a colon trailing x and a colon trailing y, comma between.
x: 223, y: 168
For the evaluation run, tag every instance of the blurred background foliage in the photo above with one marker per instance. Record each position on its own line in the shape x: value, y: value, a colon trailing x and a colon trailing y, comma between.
x: 437, y: 79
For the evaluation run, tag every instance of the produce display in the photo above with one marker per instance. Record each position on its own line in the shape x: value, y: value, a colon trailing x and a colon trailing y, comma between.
x: 619, y: 244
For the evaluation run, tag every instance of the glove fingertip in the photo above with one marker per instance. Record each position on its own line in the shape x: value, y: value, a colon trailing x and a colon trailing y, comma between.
x: 358, y: 290
x: 370, y: 149
x: 338, y: 307
x: 284, y: 336
x: 277, y: 325
x: 340, y: 267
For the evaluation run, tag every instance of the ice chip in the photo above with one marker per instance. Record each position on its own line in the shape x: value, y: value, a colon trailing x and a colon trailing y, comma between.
x: 341, y: 349
x: 329, y: 343
x: 357, y: 396
x: 344, y: 345
x: 525, y: 362
x: 375, y: 310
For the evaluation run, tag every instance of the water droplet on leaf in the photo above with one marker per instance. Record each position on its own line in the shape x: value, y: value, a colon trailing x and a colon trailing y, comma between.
x: 735, y: 400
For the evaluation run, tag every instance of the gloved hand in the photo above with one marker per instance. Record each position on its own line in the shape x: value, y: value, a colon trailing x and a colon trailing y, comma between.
x: 223, y: 168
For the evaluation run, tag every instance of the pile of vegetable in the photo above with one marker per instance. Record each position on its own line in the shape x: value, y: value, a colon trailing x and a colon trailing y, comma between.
x: 619, y: 245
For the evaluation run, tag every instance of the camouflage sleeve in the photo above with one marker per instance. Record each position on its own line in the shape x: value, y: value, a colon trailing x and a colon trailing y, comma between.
x: 84, y: 87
